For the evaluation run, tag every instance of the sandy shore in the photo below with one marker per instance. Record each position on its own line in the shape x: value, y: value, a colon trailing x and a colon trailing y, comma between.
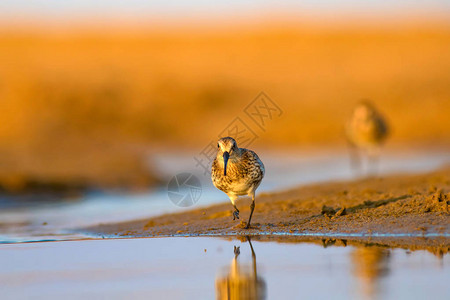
x: 414, y: 208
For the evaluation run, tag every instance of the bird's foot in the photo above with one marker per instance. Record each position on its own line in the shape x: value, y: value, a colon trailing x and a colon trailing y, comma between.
x: 247, y: 226
x: 237, y: 250
x: 235, y: 215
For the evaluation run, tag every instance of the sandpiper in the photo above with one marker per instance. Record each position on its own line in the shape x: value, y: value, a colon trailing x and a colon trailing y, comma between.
x: 236, y: 172
x: 366, y: 131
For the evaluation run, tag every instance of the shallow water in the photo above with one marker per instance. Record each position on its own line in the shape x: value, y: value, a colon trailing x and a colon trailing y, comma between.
x: 55, y: 220
x: 203, y: 268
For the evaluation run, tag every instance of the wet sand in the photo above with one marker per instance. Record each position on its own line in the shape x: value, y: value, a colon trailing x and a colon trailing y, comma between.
x: 399, y: 210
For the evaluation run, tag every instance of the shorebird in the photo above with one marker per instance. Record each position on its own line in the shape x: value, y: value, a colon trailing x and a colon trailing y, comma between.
x: 236, y: 171
x: 366, y: 131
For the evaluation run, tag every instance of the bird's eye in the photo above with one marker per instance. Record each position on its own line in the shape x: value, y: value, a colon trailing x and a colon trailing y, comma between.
x: 218, y: 145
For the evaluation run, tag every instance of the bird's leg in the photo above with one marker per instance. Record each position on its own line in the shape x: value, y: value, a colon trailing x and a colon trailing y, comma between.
x: 255, y: 273
x: 355, y: 161
x: 233, y: 202
x: 252, y: 207
x: 235, y: 213
x: 373, y: 162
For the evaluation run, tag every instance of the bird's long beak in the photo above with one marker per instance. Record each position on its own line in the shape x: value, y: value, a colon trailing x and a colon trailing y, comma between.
x: 226, y: 156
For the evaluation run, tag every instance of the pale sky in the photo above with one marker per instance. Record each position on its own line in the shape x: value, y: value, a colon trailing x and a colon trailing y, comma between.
x: 64, y: 10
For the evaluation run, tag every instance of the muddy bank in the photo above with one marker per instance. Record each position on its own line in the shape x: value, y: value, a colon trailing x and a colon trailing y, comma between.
x: 377, y: 208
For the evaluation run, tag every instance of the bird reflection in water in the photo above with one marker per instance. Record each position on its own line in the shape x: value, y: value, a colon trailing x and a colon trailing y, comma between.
x: 370, y: 265
x: 241, y: 281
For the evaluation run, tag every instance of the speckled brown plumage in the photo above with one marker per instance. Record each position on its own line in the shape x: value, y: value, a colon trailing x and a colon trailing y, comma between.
x: 248, y: 170
x: 367, y: 128
x: 244, y: 172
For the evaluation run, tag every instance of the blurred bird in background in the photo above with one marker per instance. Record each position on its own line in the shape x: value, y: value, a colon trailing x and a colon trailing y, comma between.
x: 366, y: 132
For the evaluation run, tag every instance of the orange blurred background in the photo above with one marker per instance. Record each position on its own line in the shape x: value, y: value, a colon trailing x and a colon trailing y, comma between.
x: 85, y: 97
